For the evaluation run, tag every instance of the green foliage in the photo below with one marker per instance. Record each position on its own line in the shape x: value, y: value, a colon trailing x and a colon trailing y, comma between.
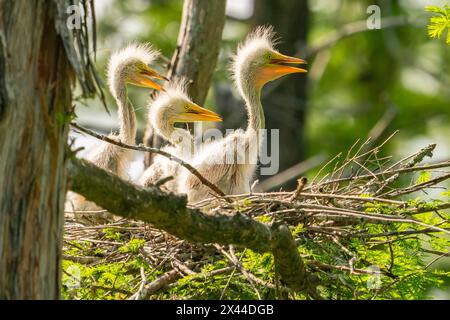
x: 423, y: 177
x: 392, y: 264
x: 132, y: 246
x: 440, y: 23
x: 377, y: 207
x: 63, y: 118
x: 108, y: 280
x: 397, y: 266
x: 112, y: 234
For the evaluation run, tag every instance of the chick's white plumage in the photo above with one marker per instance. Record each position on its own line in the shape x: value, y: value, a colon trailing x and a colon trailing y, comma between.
x: 163, y: 113
x: 230, y: 163
x: 126, y: 66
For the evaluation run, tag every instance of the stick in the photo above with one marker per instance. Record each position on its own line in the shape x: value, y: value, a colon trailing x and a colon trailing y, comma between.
x: 142, y: 148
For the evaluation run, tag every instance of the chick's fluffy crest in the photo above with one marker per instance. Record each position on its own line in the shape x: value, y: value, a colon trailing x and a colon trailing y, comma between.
x: 144, y: 52
x: 262, y: 38
x: 174, y: 91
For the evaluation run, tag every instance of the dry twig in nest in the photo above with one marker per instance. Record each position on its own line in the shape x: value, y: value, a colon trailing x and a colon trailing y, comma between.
x: 361, y: 191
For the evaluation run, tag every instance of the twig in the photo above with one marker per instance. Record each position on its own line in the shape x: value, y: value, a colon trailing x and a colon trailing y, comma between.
x: 252, y: 279
x: 417, y: 187
x: 300, y: 185
x: 445, y: 164
x: 182, y: 267
x: 157, y: 284
x: 86, y: 211
x: 391, y: 233
x: 139, y: 295
x: 353, y: 28
x: 361, y: 198
x: 444, y: 254
x: 353, y: 258
x: 80, y: 259
x: 382, y: 125
x: 112, y: 289
x: 163, y: 153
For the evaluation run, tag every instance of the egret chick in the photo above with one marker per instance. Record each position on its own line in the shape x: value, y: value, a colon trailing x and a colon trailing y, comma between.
x: 256, y: 63
x: 127, y: 66
x: 170, y: 107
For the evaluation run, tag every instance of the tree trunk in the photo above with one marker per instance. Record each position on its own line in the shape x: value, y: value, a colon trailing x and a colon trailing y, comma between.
x: 35, y: 98
x: 285, y: 107
x: 197, y: 52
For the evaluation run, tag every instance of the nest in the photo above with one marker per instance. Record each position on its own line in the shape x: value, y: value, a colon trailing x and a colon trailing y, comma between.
x: 361, y: 190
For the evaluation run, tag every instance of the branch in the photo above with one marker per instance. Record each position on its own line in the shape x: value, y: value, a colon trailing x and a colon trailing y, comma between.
x: 147, y: 289
x: 198, y: 45
x: 163, y: 153
x: 419, y: 186
x: 353, y: 28
x: 77, y: 47
x: 169, y: 212
x: 439, y: 165
x: 246, y: 273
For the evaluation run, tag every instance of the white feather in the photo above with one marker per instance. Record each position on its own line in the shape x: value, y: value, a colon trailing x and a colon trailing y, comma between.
x: 108, y: 156
x: 262, y: 39
x: 213, y: 161
x: 161, y: 109
x: 144, y: 52
x: 174, y: 91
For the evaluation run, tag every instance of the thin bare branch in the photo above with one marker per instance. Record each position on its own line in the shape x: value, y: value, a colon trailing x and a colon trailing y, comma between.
x: 163, y: 153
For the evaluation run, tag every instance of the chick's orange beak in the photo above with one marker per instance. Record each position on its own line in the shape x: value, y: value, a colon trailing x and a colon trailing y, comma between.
x: 144, y: 79
x: 194, y: 113
x: 152, y: 73
x: 278, y: 66
x: 281, y: 58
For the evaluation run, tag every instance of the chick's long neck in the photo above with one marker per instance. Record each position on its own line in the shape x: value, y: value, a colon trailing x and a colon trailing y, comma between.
x: 252, y: 97
x: 127, y: 117
x: 251, y: 92
x: 178, y: 137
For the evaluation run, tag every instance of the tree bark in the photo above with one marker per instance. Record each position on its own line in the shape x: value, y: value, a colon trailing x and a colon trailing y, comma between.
x: 169, y: 212
x: 35, y: 95
x: 39, y: 57
x: 196, y: 55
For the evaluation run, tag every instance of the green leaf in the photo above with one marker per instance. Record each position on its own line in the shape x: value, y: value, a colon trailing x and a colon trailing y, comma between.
x: 435, y: 9
x: 438, y: 24
x: 424, y: 177
x: 132, y: 246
